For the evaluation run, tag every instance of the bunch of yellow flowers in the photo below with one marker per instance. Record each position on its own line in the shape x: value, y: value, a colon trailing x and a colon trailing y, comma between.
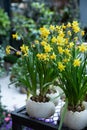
x: 59, y: 52
x: 58, y: 43
x: 63, y: 45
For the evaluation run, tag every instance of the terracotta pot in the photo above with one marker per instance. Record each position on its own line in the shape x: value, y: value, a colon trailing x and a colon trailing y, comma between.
x: 75, y: 120
x: 40, y: 109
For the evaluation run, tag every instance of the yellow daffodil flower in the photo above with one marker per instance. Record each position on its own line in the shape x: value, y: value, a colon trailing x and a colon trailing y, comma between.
x: 68, y: 25
x: 82, y: 48
x: 75, y: 26
x: 75, y: 23
x: 66, y: 40
x: 60, y: 50
x: 58, y: 27
x: 47, y: 48
x: 71, y: 44
x: 43, y: 43
x: 53, y: 56
x: 43, y: 56
x: 8, y: 50
x: 60, y: 40
x: 44, y: 32
x: 67, y: 51
x: 63, y: 26
x: 83, y: 33
x: 36, y: 41
x: 24, y: 49
x: 76, y: 39
x: 69, y: 33
x: 53, y: 40
x: 52, y: 28
x: 15, y: 36
x: 61, y: 67
x: 65, y: 60
x: 76, y: 62
x: 61, y: 34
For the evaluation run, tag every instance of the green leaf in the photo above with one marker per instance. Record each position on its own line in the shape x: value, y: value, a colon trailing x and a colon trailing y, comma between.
x: 63, y: 115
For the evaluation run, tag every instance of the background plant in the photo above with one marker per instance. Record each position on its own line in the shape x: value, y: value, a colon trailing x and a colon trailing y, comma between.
x: 38, y: 14
x: 4, y: 27
x: 69, y: 12
x: 26, y: 27
x: 2, y: 68
x: 59, y: 13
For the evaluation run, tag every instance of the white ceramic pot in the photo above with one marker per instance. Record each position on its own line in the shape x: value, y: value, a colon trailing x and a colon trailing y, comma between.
x: 75, y: 120
x: 54, y: 97
x: 40, y: 109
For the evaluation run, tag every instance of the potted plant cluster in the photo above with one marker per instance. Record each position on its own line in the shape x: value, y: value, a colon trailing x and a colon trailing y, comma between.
x: 60, y: 55
x: 71, y: 64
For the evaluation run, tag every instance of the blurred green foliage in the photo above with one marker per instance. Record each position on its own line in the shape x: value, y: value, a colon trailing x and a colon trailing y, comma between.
x: 2, y: 54
x: 4, y: 26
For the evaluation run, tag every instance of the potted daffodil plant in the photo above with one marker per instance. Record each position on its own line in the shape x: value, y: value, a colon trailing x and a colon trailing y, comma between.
x: 38, y: 75
x: 71, y: 65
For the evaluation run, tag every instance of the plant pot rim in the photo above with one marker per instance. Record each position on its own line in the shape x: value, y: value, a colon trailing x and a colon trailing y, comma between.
x: 38, y: 101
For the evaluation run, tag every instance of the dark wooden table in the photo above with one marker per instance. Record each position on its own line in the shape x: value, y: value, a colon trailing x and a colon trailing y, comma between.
x: 20, y: 118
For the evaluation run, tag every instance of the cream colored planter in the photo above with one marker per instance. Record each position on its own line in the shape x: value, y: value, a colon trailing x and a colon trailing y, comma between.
x: 40, y: 110
x: 75, y: 120
x: 54, y: 97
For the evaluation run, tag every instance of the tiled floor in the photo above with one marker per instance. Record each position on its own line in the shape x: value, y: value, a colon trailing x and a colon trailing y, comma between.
x: 11, y: 97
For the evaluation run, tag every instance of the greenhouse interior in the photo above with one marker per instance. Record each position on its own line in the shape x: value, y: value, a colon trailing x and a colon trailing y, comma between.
x: 43, y: 64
